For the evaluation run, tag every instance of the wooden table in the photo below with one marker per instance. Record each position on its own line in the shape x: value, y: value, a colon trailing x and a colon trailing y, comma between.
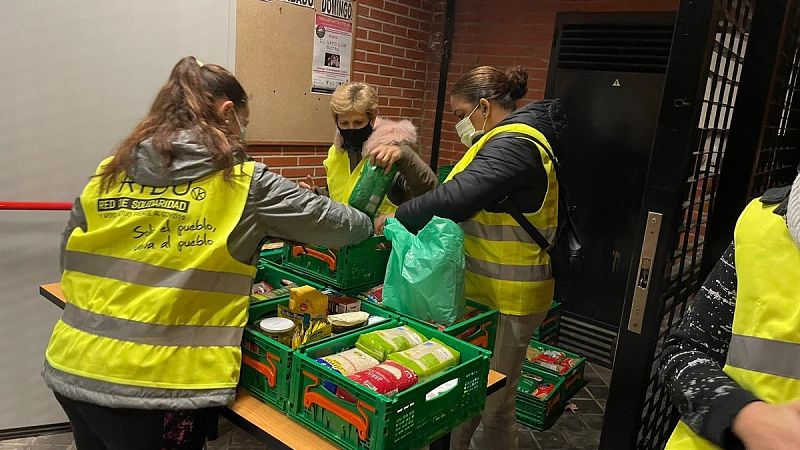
x: 268, y: 424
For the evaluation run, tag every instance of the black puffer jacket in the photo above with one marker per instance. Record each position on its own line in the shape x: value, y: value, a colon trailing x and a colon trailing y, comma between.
x: 505, y: 167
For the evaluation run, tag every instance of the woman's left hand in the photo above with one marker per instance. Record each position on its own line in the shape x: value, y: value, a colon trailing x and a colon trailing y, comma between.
x: 380, y: 222
x: 385, y: 156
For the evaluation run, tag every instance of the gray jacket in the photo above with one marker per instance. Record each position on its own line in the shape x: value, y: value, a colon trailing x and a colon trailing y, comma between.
x: 276, y: 207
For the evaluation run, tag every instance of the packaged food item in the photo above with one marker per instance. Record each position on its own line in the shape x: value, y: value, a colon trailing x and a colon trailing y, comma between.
x: 347, y: 363
x: 543, y: 390
x: 374, y: 295
x: 339, y: 304
x: 427, y: 359
x: 348, y: 321
x: 552, y: 360
x: 278, y: 328
x: 371, y: 188
x: 307, y: 300
x: 272, y: 245
x: 387, y: 378
x: 380, y: 343
x: 311, y: 332
x: 261, y: 288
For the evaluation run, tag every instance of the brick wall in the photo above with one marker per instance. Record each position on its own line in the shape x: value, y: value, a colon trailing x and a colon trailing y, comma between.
x: 504, y: 33
x: 398, y: 48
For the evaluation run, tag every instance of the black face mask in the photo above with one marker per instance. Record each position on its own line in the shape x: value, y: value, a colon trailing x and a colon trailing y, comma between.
x: 354, y: 139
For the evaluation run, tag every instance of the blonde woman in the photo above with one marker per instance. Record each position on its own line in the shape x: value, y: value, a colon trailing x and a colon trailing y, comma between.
x: 361, y: 135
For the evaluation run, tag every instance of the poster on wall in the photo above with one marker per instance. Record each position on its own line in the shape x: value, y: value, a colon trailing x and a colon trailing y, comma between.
x: 306, y: 3
x: 333, y: 48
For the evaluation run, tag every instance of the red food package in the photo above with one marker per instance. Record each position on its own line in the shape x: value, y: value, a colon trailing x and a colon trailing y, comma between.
x: 543, y: 391
x: 387, y: 378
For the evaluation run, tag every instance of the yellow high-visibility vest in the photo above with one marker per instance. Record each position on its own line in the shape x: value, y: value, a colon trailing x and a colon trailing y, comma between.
x: 341, y: 181
x: 764, y: 352
x: 506, y: 269
x: 155, y: 299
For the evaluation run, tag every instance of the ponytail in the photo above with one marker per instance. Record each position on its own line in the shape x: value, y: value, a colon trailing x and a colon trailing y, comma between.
x: 185, y: 102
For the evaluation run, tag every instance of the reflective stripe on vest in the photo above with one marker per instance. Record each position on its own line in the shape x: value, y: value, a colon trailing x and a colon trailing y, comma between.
x: 506, y: 269
x: 764, y: 352
x: 155, y: 299
x: 341, y: 181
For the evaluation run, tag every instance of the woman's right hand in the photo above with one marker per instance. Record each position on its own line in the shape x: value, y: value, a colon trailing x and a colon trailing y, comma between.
x: 308, y: 184
x: 763, y: 426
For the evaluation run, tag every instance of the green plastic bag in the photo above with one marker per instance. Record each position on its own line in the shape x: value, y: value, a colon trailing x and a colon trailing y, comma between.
x: 371, y: 188
x: 425, y: 274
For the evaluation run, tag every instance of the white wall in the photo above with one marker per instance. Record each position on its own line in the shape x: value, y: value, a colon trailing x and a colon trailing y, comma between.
x: 75, y: 77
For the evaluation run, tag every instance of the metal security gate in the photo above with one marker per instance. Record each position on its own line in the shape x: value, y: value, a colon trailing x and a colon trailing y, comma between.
x: 700, y: 94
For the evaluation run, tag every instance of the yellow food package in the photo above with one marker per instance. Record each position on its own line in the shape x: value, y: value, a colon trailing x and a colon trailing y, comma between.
x: 307, y: 300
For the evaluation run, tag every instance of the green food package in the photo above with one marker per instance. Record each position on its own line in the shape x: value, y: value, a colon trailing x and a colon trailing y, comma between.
x: 379, y: 344
x: 425, y: 273
x: 371, y: 188
x: 427, y: 359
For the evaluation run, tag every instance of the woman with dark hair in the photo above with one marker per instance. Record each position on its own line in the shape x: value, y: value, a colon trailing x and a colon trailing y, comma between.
x: 158, y: 263
x: 508, y: 164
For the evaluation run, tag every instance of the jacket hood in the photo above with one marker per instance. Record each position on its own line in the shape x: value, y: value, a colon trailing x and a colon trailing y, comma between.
x: 191, y: 161
x: 547, y: 116
x: 385, y: 132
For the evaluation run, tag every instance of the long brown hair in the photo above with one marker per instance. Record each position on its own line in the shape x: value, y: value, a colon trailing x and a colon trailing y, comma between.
x: 186, y: 102
x: 491, y: 83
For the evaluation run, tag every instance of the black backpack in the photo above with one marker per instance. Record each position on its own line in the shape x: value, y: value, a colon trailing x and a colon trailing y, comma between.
x: 566, y: 252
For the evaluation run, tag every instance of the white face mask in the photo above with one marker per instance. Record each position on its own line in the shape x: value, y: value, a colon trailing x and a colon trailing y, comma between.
x: 466, y: 130
x: 242, y: 130
x: 793, y: 211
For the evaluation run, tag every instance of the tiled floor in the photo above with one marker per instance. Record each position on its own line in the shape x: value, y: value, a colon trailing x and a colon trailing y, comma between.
x: 578, y: 431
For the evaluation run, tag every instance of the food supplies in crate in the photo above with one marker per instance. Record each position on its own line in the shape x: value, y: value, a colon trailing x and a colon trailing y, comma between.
x: 427, y: 359
x: 339, y: 303
x: 347, y: 363
x: 553, y: 360
x: 534, y: 385
x: 388, y: 378
x: 379, y: 344
x: 307, y: 300
x: 348, y: 321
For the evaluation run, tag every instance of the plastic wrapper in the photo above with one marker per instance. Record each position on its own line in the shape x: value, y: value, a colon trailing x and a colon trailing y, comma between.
x: 387, y: 378
x: 428, y: 358
x: 371, y: 188
x: 379, y: 344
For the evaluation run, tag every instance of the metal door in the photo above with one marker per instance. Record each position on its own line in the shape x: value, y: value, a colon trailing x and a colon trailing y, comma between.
x: 709, y: 47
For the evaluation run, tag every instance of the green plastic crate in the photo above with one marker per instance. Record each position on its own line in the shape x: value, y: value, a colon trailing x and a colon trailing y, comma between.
x: 361, y: 265
x: 574, y: 380
x: 480, y: 330
x: 444, y: 171
x: 266, y: 362
x: 553, y: 317
x: 541, y: 414
x: 548, y: 336
x: 410, y: 419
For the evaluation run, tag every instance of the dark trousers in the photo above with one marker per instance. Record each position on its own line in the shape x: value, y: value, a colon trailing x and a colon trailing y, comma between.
x: 101, y: 428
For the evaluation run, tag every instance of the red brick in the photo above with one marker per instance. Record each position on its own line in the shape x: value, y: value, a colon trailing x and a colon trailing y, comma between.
x: 373, y: 3
x: 406, y: 43
x: 402, y: 82
x: 381, y: 37
x: 361, y: 33
x: 382, y: 15
x: 405, y: 21
x: 414, y: 74
x: 368, y: 46
x: 389, y: 111
x: 377, y: 58
x: 386, y: 91
x: 279, y: 161
x: 391, y: 71
x: 297, y: 172
x: 398, y: 9
x: 404, y: 63
x: 377, y: 80
x: 360, y: 55
x: 369, y: 24
x: 365, y: 67
x: 400, y: 102
x: 395, y: 30
x: 311, y: 160
x: 392, y: 50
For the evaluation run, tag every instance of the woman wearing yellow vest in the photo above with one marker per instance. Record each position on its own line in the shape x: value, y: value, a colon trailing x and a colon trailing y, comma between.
x: 508, y: 159
x: 361, y: 136
x: 733, y: 364
x: 158, y: 263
